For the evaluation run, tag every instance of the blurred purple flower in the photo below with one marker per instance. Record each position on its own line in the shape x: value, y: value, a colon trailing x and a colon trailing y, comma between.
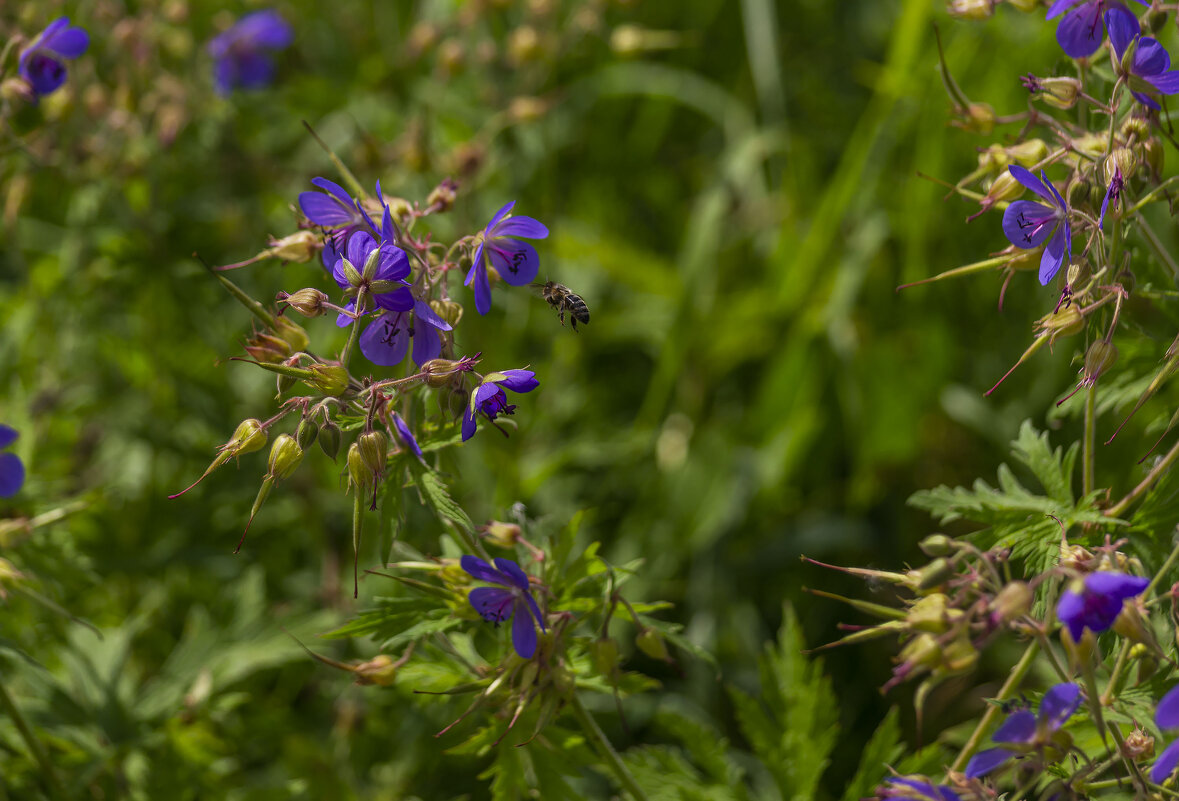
x: 1028, y: 224
x: 512, y: 596
x: 1080, y: 33
x: 1022, y: 728
x: 1166, y: 715
x: 490, y: 400
x: 41, y: 62
x: 1097, y: 605
x: 1151, y: 64
x: 12, y: 471
x: 240, y: 57
x: 515, y: 261
x: 916, y: 789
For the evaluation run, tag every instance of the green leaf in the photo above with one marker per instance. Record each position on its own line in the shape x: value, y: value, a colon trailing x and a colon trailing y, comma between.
x: 435, y: 495
x: 882, y: 750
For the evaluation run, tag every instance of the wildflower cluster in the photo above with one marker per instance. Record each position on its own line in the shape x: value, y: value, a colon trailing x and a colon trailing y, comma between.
x: 1078, y: 578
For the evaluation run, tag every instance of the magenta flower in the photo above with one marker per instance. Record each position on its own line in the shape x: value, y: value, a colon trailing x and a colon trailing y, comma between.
x: 12, y: 471
x: 515, y: 261
x: 240, y: 54
x: 1150, y: 68
x: 1025, y: 730
x: 41, y: 62
x: 1098, y: 602
x: 1080, y: 33
x: 490, y: 400
x: 1028, y: 224
x: 512, y: 595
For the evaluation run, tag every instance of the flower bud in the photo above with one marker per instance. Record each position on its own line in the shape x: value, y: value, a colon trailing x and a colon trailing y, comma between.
x: 1065, y: 321
x: 1098, y: 359
x: 1153, y: 155
x: 1026, y: 5
x: 359, y: 474
x: 306, y: 432
x: 978, y: 117
x: 1061, y: 93
x: 650, y: 643
x: 249, y: 436
x: 933, y: 613
x: 1025, y: 259
x: 1078, y: 272
x: 1029, y: 153
x: 923, y: 651
x: 1091, y: 145
x: 604, y: 656
x: 380, y: 670
x: 308, y: 301
x: 1004, y: 187
x: 1013, y: 601
x: 505, y: 535
x: 1122, y: 158
x: 1076, y: 557
x: 374, y: 450
x: 330, y: 379
x: 292, y: 333
x: 451, y: 55
x: 329, y: 439
x: 1138, y: 746
x: 285, y: 456
x: 935, y: 574
x: 438, y: 372
x: 960, y: 655
x: 936, y: 545
x: 267, y: 348
x: 971, y: 9
x: 442, y: 197
x: 448, y: 310
x: 527, y: 109
x: 299, y: 247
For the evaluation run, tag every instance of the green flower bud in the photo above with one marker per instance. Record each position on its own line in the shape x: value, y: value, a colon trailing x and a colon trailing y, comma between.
x: 650, y: 643
x: 329, y: 439
x: 285, y: 456
x: 1065, y: 321
x: 1139, y: 746
x: 505, y: 535
x: 933, y: 613
x: 1122, y: 158
x: 978, y: 118
x: 249, y: 436
x: 300, y: 247
x: 1013, y: 601
x: 1026, y: 6
x: 971, y: 9
x: 1078, y: 272
x: 1029, y: 153
x: 936, y: 545
x: 360, y: 475
x: 306, y: 432
x: 330, y: 379
x: 1059, y: 92
x: 448, y: 310
x: 267, y: 348
x: 442, y: 197
x: 380, y: 670
x: 1098, y: 359
x: 438, y: 372
x: 308, y: 302
x: 374, y: 449
x: 935, y: 574
x: 292, y: 333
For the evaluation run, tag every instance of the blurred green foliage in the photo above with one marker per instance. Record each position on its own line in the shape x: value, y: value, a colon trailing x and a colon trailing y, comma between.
x: 733, y: 189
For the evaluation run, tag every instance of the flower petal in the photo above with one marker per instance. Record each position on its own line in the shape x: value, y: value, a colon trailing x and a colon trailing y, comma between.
x: 423, y: 312
x: 1080, y: 32
x: 1025, y: 177
x: 1053, y: 255
x: 385, y: 341
x: 489, y: 231
x: 1150, y: 58
x: 482, y: 286
x: 66, y: 42
x: 1116, y: 585
x: 406, y: 435
x: 12, y: 474
x: 8, y: 435
x: 513, y: 572
x: 519, y: 380
x: 1028, y: 224
x: 322, y: 209
x: 494, y: 604
x: 523, y: 633
x: 468, y: 424
x: 1123, y: 27
x: 1059, y: 704
x: 521, y: 227
x: 1020, y: 727
x: 984, y: 762
x: 1059, y: 7
x: 264, y: 28
x: 481, y: 570
x: 515, y: 261
x: 1164, y: 766
x: 1167, y: 713
x: 399, y: 300
x: 1070, y: 609
x: 427, y: 342
x: 1166, y: 82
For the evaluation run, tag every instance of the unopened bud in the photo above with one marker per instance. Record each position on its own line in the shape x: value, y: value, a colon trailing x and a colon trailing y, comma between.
x: 1123, y: 159
x: 448, y: 310
x: 268, y: 349
x: 1138, y: 746
x: 527, y: 109
x: 292, y: 333
x: 1013, y: 601
x: 959, y: 656
x: 935, y: 574
x: 923, y: 651
x: 380, y: 670
x: 971, y: 9
x: 308, y: 301
x: 451, y: 55
x: 1153, y: 155
x: 1076, y: 557
x: 524, y: 45
x: 505, y: 535
x: 359, y: 474
x: 933, y: 613
x: 249, y: 436
x: 330, y: 379
x: 442, y: 197
x: 1099, y: 358
x: 306, y: 432
x: 1025, y: 259
x: 650, y: 643
x: 374, y: 450
x: 1061, y: 93
x: 300, y: 247
x: 978, y: 118
x: 285, y: 456
x: 1078, y: 272
x: 1026, y: 5
x: 936, y: 545
x: 1029, y: 153
x: 1004, y: 187
x: 437, y: 372
x: 1065, y: 321
x: 329, y: 439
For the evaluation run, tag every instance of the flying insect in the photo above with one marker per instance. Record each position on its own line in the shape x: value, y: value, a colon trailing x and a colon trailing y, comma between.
x: 565, y: 301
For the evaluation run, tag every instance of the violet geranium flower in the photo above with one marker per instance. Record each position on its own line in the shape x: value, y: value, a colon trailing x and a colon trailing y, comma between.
x: 12, y: 471
x: 41, y: 62
x: 386, y: 340
x: 1025, y: 730
x: 1080, y: 33
x: 516, y: 262
x: 1150, y: 68
x: 405, y: 435
x: 338, y: 213
x: 383, y: 268
x: 490, y: 400
x: 511, y: 597
x: 1097, y: 601
x: 1028, y: 224
x: 916, y: 788
x: 1166, y: 715
x: 240, y: 53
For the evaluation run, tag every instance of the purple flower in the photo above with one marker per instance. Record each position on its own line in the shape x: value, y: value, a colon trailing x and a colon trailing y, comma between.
x: 1022, y: 728
x: 386, y: 339
x: 12, y: 472
x: 406, y: 436
x: 1099, y: 602
x: 1028, y: 224
x: 515, y: 261
x: 916, y: 789
x: 383, y: 268
x: 40, y: 62
x: 1113, y: 194
x: 1080, y: 32
x: 1167, y: 717
x: 337, y: 213
x: 512, y: 595
x: 1150, y: 68
x: 490, y: 400
x: 240, y: 57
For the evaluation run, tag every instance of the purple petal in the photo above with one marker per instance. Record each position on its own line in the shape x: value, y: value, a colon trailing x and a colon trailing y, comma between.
x: 483, y: 393
x: 248, y: 70
x: 984, y: 762
x: 12, y: 474
x: 1027, y: 224
x: 399, y: 300
x: 1059, y: 7
x: 65, y: 42
x: 264, y: 28
x: 1059, y: 704
x: 519, y: 380
x: 489, y: 231
x: 1080, y: 32
x: 481, y: 570
x: 468, y: 424
x: 406, y: 435
x: 1025, y: 177
x: 1146, y: 100
x: 1053, y: 255
x: 1167, y: 82
x: 1167, y: 714
x: 1020, y: 727
x: 360, y: 244
x: 8, y: 435
x: 44, y: 74
x: 523, y: 634
x: 427, y: 342
x: 324, y: 210
x: 385, y: 341
x: 1116, y: 585
x: 424, y: 313
x: 1150, y: 58
x: 493, y: 604
x: 1123, y: 27
x: 521, y: 227
x: 535, y: 610
x: 515, y: 261
x: 1165, y: 765
x: 1069, y: 609
x: 482, y: 286
x: 334, y: 189
x: 513, y: 572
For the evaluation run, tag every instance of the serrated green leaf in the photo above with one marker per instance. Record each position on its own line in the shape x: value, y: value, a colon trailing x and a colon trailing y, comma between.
x: 880, y: 752
x: 435, y: 495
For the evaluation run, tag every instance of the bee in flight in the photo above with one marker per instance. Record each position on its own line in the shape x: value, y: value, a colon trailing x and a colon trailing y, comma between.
x: 563, y: 299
